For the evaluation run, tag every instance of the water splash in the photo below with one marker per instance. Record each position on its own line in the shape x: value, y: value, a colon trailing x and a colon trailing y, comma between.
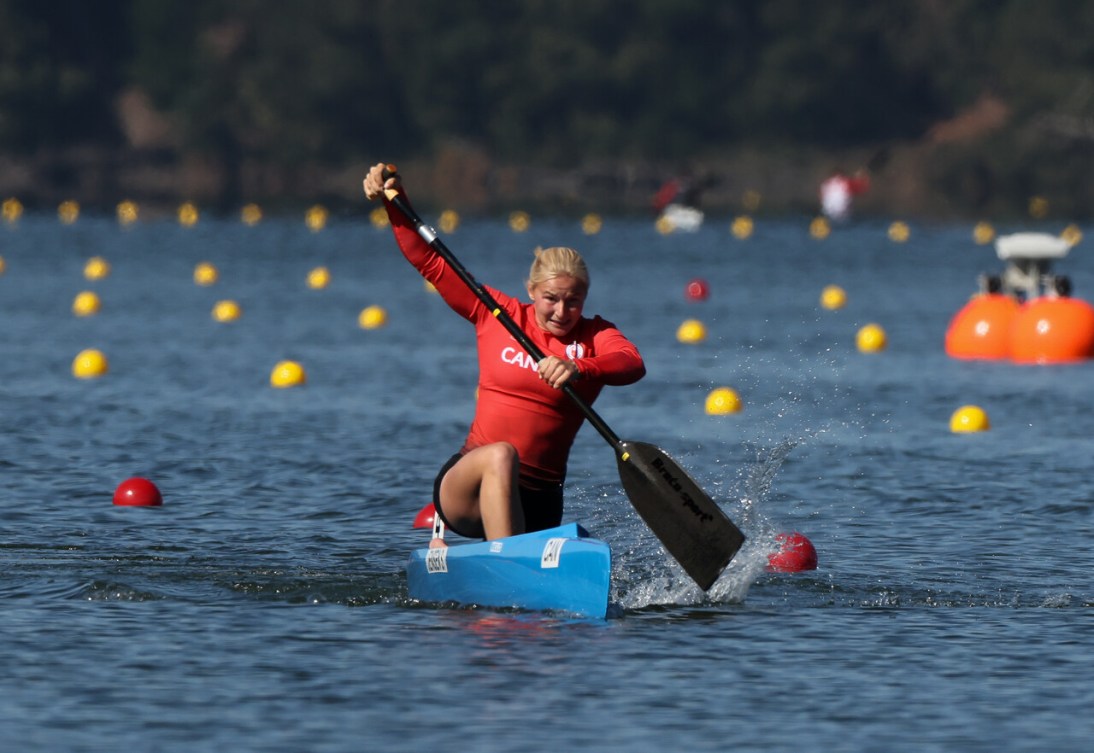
x: 644, y: 575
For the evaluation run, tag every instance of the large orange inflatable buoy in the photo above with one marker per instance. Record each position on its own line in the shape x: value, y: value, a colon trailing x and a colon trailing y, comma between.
x: 1053, y: 330
x: 982, y: 328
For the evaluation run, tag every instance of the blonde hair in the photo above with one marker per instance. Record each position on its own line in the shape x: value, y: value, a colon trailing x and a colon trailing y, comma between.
x: 557, y: 261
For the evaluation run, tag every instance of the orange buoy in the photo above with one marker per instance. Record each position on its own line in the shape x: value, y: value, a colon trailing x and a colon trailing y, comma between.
x: 1053, y: 330
x: 982, y: 328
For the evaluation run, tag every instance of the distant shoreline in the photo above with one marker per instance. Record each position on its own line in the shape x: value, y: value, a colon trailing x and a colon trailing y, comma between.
x: 785, y: 182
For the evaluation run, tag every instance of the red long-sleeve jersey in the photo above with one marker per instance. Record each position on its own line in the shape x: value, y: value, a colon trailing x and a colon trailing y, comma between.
x: 514, y: 404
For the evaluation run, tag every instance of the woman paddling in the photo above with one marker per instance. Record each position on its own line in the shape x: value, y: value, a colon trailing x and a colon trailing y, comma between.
x: 508, y: 476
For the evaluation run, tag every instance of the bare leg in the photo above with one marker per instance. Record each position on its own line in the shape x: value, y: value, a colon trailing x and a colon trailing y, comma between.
x: 479, y: 494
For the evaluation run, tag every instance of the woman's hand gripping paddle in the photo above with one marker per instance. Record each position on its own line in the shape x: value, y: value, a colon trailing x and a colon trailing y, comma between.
x: 690, y: 525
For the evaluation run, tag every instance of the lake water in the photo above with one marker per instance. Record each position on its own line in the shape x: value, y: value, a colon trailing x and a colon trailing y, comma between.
x: 263, y: 607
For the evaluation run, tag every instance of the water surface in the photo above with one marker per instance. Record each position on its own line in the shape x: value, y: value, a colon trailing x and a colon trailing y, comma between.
x: 264, y: 606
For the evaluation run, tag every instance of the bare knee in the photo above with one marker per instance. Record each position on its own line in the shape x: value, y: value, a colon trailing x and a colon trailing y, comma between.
x: 499, y: 500
x: 502, y: 459
x: 479, y: 493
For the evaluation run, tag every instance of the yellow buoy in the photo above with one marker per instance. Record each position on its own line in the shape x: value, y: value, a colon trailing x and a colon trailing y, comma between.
x: 316, y: 218
x: 983, y: 233
x: 691, y: 331
x: 318, y: 278
x: 372, y: 317
x: 448, y: 222
x: 86, y: 304
x: 96, y: 268
x: 127, y: 212
x: 13, y: 210
x: 1072, y: 234
x: 592, y: 223
x: 819, y: 228
x: 89, y: 364
x: 722, y: 401
x: 205, y: 274
x: 751, y: 200
x: 664, y: 225
x: 188, y: 214
x: 969, y: 418
x: 251, y: 215
x: 742, y: 227
x: 1038, y: 207
x: 226, y: 311
x: 519, y: 222
x: 899, y: 232
x: 3, y: 265
x: 378, y: 217
x: 833, y: 297
x: 68, y: 212
x: 871, y: 339
x: 287, y: 374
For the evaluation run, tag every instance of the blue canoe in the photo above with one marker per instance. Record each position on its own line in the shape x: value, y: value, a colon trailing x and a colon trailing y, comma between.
x: 559, y: 569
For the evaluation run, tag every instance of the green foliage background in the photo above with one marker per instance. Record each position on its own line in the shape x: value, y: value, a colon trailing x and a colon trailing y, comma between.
x: 287, y: 87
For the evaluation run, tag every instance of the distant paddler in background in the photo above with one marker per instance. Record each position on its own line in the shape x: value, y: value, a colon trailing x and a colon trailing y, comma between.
x: 838, y: 190
x: 677, y: 202
x: 508, y: 476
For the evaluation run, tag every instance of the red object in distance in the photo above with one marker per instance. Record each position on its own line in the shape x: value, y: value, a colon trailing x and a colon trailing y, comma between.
x: 137, y: 492
x: 697, y: 290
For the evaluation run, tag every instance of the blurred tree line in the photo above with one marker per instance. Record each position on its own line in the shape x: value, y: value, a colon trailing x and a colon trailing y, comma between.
x: 976, y: 104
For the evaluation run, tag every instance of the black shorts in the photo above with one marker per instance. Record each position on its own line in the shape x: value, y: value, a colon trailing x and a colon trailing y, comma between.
x: 542, y: 506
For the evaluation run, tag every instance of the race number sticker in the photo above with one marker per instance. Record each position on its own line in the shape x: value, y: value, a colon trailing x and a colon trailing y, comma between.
x: 552, y: 552
x: 437, y: 560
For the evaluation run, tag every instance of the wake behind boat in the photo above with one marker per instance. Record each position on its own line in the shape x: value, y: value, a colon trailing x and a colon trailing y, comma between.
x: 677, y: 204
x: 559, y: 569
x: 680, y: 217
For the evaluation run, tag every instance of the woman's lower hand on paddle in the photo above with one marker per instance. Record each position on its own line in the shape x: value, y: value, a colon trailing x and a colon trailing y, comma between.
x: 375, y: 184
x: 557, y: 371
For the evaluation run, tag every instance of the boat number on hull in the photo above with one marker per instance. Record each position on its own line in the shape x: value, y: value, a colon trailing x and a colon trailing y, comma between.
x: 437, y: 560
x: 552, y: 552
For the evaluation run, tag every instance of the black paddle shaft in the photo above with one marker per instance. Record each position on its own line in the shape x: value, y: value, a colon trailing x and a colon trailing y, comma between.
x: 691, y: 525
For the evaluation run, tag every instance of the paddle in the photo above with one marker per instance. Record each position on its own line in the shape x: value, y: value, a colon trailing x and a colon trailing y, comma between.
x: 690, y: 524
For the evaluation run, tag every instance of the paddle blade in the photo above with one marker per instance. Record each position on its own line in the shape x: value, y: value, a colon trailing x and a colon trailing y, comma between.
x: 688, y: 522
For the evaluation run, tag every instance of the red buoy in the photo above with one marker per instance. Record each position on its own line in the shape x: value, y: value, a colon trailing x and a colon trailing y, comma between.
x: 796, y: 553
x: 424, y: 519
x: 697, y: 290
x: 982, y: 329
x: 137, y: 492
x: 1053, y: 330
